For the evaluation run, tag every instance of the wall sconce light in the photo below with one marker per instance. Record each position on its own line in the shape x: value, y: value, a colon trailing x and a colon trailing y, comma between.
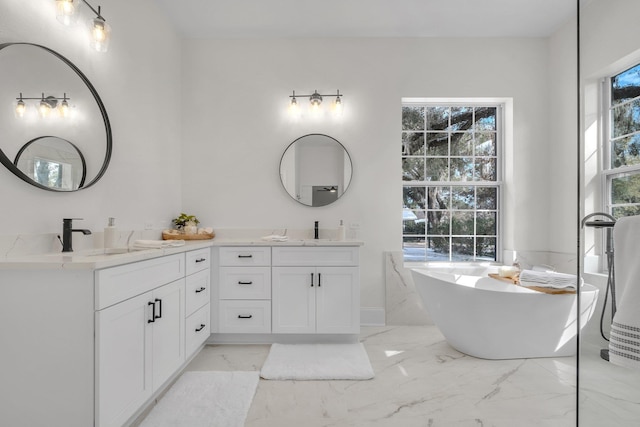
x: 315, y: 102
x: 100, y: 32
x: 45, y: 105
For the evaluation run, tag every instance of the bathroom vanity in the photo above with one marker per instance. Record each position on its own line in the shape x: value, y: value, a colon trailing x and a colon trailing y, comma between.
x: 90, y: 339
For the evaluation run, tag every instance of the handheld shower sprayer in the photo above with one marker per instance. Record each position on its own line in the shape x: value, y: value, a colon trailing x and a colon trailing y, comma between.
x: 599, y: 223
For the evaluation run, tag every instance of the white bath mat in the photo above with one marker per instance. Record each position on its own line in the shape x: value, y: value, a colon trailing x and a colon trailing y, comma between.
x: 205, y: 399
x: 317, y: 362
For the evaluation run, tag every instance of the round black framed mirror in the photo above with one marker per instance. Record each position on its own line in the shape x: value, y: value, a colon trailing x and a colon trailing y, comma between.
x: 81, y: 137
x: 316, y: 170
x: 53, y: 162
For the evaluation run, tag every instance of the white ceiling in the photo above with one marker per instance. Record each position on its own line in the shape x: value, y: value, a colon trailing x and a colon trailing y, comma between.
x: 367, y: 18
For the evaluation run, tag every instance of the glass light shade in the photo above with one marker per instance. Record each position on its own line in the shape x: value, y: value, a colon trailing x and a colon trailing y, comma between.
x: 100, y: 34
x: 44, y: 109
x: 316, y: 100
x: 20, y: 108
x: 338, y: 106
x: 67, y: 11
x: 63, y: 108
x: 294, y: 108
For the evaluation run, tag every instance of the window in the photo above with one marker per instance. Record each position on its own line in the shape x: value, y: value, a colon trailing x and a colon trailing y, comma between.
x: 622, y: 170
x: 451, y: 181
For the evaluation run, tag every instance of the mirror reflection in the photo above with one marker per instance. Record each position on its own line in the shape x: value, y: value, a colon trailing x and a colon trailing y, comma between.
x: 53, y: 122
x: 52, y: 162
x: 315, y: 170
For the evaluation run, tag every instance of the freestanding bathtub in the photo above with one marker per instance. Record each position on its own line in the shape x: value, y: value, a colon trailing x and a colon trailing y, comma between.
x: 491, y: 319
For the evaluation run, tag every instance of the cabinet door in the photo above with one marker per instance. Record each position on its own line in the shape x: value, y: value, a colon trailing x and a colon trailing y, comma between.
x: 293, y: 300
x: 123, y: 359
x: 337, y: 300
x: 168, y: 331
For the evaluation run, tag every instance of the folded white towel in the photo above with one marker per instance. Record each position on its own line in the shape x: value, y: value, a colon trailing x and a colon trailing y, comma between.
x: 548, y: 279
x: 157, y: 244
x: 276, y: 238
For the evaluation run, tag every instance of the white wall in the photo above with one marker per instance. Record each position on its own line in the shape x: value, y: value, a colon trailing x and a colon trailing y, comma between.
x: 139, y: 83
x: 236, y: 128
x: 562, y: 164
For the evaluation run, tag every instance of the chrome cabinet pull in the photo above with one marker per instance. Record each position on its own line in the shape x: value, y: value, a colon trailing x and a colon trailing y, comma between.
x: 200, y: 290
x: 202, y: 326
x: 245, y: 316
x: 153, y: 312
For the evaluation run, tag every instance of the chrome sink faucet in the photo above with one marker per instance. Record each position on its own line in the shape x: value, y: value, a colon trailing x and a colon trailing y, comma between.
x: 67, y: 232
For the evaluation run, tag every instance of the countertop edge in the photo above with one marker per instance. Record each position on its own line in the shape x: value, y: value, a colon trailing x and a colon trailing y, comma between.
x: 97, y: 260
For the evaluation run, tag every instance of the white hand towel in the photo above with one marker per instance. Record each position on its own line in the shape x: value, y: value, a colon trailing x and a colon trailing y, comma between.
x: 275, y: 238
x: 157, y: 244
x: 548, y: 279
x: 624, y: 343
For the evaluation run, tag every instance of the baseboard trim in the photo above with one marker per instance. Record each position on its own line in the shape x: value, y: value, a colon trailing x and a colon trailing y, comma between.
x: 372, y: 316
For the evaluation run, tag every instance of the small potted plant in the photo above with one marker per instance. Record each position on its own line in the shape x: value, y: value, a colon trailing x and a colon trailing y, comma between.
x: 187, y: 223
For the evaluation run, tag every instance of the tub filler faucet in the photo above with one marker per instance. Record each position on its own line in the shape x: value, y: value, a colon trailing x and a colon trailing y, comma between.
x: 67, y: 233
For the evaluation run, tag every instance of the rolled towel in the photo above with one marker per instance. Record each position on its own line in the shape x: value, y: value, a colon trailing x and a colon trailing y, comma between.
x: 276, y: 238
x: 548, y: 279
x: 157, y: 244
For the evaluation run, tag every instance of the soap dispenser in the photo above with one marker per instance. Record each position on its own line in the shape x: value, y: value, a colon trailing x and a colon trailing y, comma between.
x: 341, y: 231
x: 110, y: 235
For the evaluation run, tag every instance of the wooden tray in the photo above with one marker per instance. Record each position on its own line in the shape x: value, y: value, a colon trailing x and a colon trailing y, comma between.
x: 182, y: 236
x: 516, y: 281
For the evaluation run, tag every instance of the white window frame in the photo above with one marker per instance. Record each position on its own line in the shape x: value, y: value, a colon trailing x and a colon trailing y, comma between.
x: 606, y: 171
x: 500, y: 106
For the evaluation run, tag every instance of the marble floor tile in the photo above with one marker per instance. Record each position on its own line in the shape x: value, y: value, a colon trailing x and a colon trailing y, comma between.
x: 420, y: 381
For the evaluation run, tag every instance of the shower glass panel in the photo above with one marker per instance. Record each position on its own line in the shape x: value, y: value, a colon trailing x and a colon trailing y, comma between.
x: 608, y: 394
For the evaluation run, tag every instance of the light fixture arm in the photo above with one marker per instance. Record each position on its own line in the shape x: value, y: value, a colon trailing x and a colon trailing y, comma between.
x: 97, y: 12
x: 337, y: 94
x: 40, y: 98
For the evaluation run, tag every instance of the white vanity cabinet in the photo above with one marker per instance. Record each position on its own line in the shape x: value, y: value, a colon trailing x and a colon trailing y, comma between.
x: 140, y: 338
x: 244, y: 290
x: 315, y: 290
x: 89, y: 340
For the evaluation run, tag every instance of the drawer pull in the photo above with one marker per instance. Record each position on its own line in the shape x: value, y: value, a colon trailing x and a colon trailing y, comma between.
x: 200, y: 290
x: 245, y: 316
x: 200, y: 260
x: 240, y: 282
x: 153, y: 312
x: 245, y: 256
x: 202, y: 326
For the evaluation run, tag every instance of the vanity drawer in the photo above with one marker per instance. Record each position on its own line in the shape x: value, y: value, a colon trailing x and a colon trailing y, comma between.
x: 198, y: 260
x: 245, y: 316
x: 197, y: 289
x: 245, y: 282
x: 198, y: 329
x: 336, y: 256
x: 116, y: 284
x: 247, y: 256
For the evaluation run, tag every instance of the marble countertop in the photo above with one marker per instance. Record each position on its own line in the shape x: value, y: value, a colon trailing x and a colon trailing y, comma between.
x: 97, y: 258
